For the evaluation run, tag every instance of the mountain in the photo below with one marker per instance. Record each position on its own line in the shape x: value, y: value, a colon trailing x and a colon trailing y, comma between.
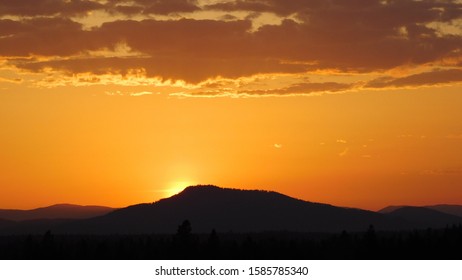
x: 225, y: 210
x: 390, y: 209
x: 448, y: 209
x: 455, y: 210
x: 58, y: 211
x: 239, y: 211
x: 424, y: 216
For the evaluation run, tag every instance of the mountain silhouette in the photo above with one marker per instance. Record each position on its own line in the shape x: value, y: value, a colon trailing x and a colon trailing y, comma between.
x: 424, y: 216
x: 390, y: 209
x: 455, y: 210
x: 232, y: 210
x: 210, y: 208
x: 58, y: 211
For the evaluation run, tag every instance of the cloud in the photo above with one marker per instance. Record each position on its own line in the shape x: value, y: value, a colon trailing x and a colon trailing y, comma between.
x: 246, y: 87
x: 436, y: 77
x: 135, y: 94
x: 141, y: 93
x: 11, y: 80
x: 302, y: 88
x: 165, y: 7
x: 159, y: 7
x: 341, y: 141
x: 39, y: 36
x: 344, y: 152
x: 278, y: 146
x: 83, y: 7
x: 360, y: 36
x: 48, y: 7
x: 120, y: 93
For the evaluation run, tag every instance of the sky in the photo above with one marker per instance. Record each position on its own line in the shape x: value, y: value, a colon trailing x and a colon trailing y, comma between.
x: 355, y: 103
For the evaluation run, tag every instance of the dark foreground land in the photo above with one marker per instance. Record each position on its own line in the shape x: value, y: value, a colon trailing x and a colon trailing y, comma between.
x: 424, y: 244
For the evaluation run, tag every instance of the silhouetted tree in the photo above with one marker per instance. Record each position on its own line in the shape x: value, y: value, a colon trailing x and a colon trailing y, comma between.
x: 442, y: 243
x: 371, y: 232
x: 184, y: 230
x: 213, y: 244
x: 213, y: 237
x: 183, y: 242
x: 31, y: 248
x: 48, y: 245
x: 370, y: 242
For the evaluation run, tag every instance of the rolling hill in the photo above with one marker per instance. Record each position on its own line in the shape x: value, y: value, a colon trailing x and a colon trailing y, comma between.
x: 423, y: 216
x: 58, y: 211
x: 231, y: 210
x: 455, y: 210
x: 238, y: 211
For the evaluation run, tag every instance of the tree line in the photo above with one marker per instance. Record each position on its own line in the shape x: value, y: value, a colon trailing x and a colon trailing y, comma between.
x: 185, y: 244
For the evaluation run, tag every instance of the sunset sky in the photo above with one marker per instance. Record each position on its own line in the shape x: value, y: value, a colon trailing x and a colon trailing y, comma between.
x: 354, y: 103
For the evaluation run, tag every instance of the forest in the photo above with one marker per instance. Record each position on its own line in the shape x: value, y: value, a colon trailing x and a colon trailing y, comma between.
x: 431, y: 244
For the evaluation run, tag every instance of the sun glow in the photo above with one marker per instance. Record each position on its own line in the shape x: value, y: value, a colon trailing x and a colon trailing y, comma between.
x: 177, y: 187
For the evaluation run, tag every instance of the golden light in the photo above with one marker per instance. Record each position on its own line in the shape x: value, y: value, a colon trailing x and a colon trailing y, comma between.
x: 177, y: 187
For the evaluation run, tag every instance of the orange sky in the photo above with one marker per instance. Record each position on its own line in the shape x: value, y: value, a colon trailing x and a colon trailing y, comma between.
x: 352, y: 103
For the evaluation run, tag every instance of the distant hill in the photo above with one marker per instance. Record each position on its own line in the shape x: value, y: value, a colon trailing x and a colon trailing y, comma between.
x: 424, y: 216
x: 455, y: 210
x: 448, y: 209
x: 238, y: 211
x: 58, y: 211
x: 390, y: 209
x: 231, y: 210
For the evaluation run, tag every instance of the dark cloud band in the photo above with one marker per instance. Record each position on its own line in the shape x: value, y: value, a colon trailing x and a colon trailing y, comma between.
x: 348, y: 36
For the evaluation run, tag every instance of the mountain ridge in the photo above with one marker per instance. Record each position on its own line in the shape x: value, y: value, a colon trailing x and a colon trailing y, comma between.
x: 451, y: 209
x: 55, y: 211
x: 209, y: 207
x: 424, y: 216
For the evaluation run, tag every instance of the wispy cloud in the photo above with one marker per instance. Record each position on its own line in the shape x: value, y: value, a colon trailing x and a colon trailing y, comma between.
x: 141, y: 93
x: 9, y: 80
x: 431, y: 78
x: 411, y: 136
x: 344, y: 152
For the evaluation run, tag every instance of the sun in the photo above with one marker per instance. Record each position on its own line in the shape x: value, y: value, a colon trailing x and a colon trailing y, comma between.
x: 177, y: 187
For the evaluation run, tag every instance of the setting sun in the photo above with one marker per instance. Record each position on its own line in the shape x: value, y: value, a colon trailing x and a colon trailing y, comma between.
x: 176, y: 187
x: 342, y: 102
x: 257, y: 129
